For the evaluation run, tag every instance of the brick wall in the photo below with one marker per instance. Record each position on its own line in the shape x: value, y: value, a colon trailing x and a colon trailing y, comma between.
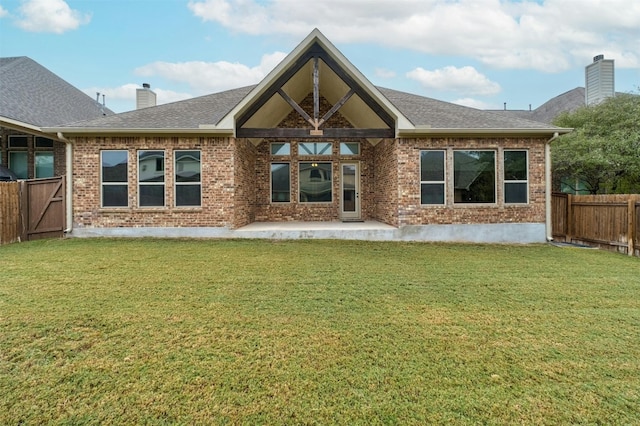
x: 412, y: 213
x: 218, y: 189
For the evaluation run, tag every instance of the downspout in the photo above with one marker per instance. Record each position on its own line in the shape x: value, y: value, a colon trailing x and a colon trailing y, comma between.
x: 69, y: 182
x: 548, y: 189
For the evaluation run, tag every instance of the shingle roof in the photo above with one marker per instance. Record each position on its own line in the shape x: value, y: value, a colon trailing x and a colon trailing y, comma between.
x: 567, y: 102
x: 31, y: 94
x: 423, y: 111
x: 187, y: 114
x: 210, y: 109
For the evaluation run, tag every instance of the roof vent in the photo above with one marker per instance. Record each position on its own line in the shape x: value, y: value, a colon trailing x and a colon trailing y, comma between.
x: 145, y: 97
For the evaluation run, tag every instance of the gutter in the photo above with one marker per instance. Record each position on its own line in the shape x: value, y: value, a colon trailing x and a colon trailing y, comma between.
x: 429, y: 131
x: 69, y: 182
x: 547, y: 191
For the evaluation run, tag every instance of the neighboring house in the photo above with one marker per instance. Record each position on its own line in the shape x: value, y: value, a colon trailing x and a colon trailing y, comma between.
x: 314, y: 141
x: 32, y: 97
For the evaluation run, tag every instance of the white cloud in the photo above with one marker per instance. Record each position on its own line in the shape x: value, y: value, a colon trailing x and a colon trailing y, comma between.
x: 208, y: 77
x: 50, y: 16
x: 3, y: 12
x: 384, y: 73
x: 525, y: 34
x: 466, y: 80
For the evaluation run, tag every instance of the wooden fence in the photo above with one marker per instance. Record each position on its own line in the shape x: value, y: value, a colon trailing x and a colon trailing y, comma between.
x: 605, y: 221
x: 10, y: 212
x: 32, y: 209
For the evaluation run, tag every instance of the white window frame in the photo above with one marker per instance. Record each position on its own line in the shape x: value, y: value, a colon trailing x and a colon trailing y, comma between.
x: 508, y: 181
x: 496, y: 178
x: 178, y: 184
x: 164, y: 178
x: 442, y: 182
x: 103, y: 183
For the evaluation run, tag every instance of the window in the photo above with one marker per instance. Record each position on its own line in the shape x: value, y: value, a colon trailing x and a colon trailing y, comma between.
x: 280, y: 182
x: 18, y: 164
x: 349, y: 148
x: 151, y: 178
x: 432, y: 177
x: 188, y: 180
x: 43, y: 142
x: 115, y: 181
x: 19, y: 159
x: 516, y: 184
x: 18, y: 141
x: 280, y: 148
x: 474, y: 176
x: 314, y: 148
x: 315, y: 182
x: 43, y: 164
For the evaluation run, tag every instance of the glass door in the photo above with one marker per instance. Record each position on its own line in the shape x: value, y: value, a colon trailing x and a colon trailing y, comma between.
x: 350, y: 185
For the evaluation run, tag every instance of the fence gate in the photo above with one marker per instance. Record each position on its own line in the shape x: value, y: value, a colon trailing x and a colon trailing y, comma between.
x: 43, y: 201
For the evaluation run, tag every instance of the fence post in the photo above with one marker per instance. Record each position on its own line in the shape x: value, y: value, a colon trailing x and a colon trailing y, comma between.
x: 568, y: 237
x: 631, y: 213
x: 24, y: 209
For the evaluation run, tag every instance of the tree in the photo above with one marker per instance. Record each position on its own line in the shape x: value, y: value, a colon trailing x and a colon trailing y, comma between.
x: 603, y: 152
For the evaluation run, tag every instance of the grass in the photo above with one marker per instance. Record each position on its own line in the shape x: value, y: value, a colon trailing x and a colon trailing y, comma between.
x: 96, y: 331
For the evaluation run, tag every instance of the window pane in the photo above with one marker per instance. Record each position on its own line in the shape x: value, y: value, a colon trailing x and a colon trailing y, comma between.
x: 151, y: 166
x: 18, y: 142
x: 44, y: 164
x: 515, y: 165
x: 432, y: 193
x: 280, y: 148
x: 188, y: 195
x: 18, y: 164
x: 280, y: 183
x: 315, y: 182
x: 43, y: 142
x: 349, y: 148
x: 432, y: 166
x: 114, y: 196
x: 114, y: 166
x: 151, y: 195
x: 474, y: 176
x: 187, y: 166
x: 515, y: 192
x: 314, y: 148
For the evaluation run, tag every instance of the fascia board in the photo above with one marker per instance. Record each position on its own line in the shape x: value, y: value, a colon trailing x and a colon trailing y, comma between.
x: 203, y: 131
x: 428, y: 132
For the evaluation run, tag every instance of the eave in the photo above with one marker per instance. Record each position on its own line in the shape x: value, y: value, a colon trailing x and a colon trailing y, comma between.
x: 485, y: 132
x: 84, y: 131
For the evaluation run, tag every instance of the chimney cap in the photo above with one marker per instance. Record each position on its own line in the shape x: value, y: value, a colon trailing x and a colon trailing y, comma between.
x: 146, y: 86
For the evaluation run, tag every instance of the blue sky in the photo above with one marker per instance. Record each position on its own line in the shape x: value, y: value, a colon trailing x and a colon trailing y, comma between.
x: 479, y: 53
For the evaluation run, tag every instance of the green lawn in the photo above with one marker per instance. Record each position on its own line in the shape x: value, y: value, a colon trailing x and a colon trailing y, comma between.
x: 316, y: 332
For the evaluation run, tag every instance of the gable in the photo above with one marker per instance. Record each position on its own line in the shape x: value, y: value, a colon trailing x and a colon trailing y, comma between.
x: 315, y: 68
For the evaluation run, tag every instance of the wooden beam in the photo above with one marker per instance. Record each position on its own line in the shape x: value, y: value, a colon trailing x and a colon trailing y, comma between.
x: 316, y: 92
x: 330, y: 133
x: 336, y: 107
x: 371, y: 103
x: 297, y: 107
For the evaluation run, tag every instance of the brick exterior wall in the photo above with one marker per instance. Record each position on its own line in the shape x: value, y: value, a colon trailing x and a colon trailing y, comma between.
x: 236, y: 175
x: 410, y: 212
x: 218, y: 188
x: 59, y: 161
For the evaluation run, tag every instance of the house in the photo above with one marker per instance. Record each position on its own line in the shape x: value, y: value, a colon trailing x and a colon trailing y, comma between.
x: 32, y: 97
x: 313, y: 142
